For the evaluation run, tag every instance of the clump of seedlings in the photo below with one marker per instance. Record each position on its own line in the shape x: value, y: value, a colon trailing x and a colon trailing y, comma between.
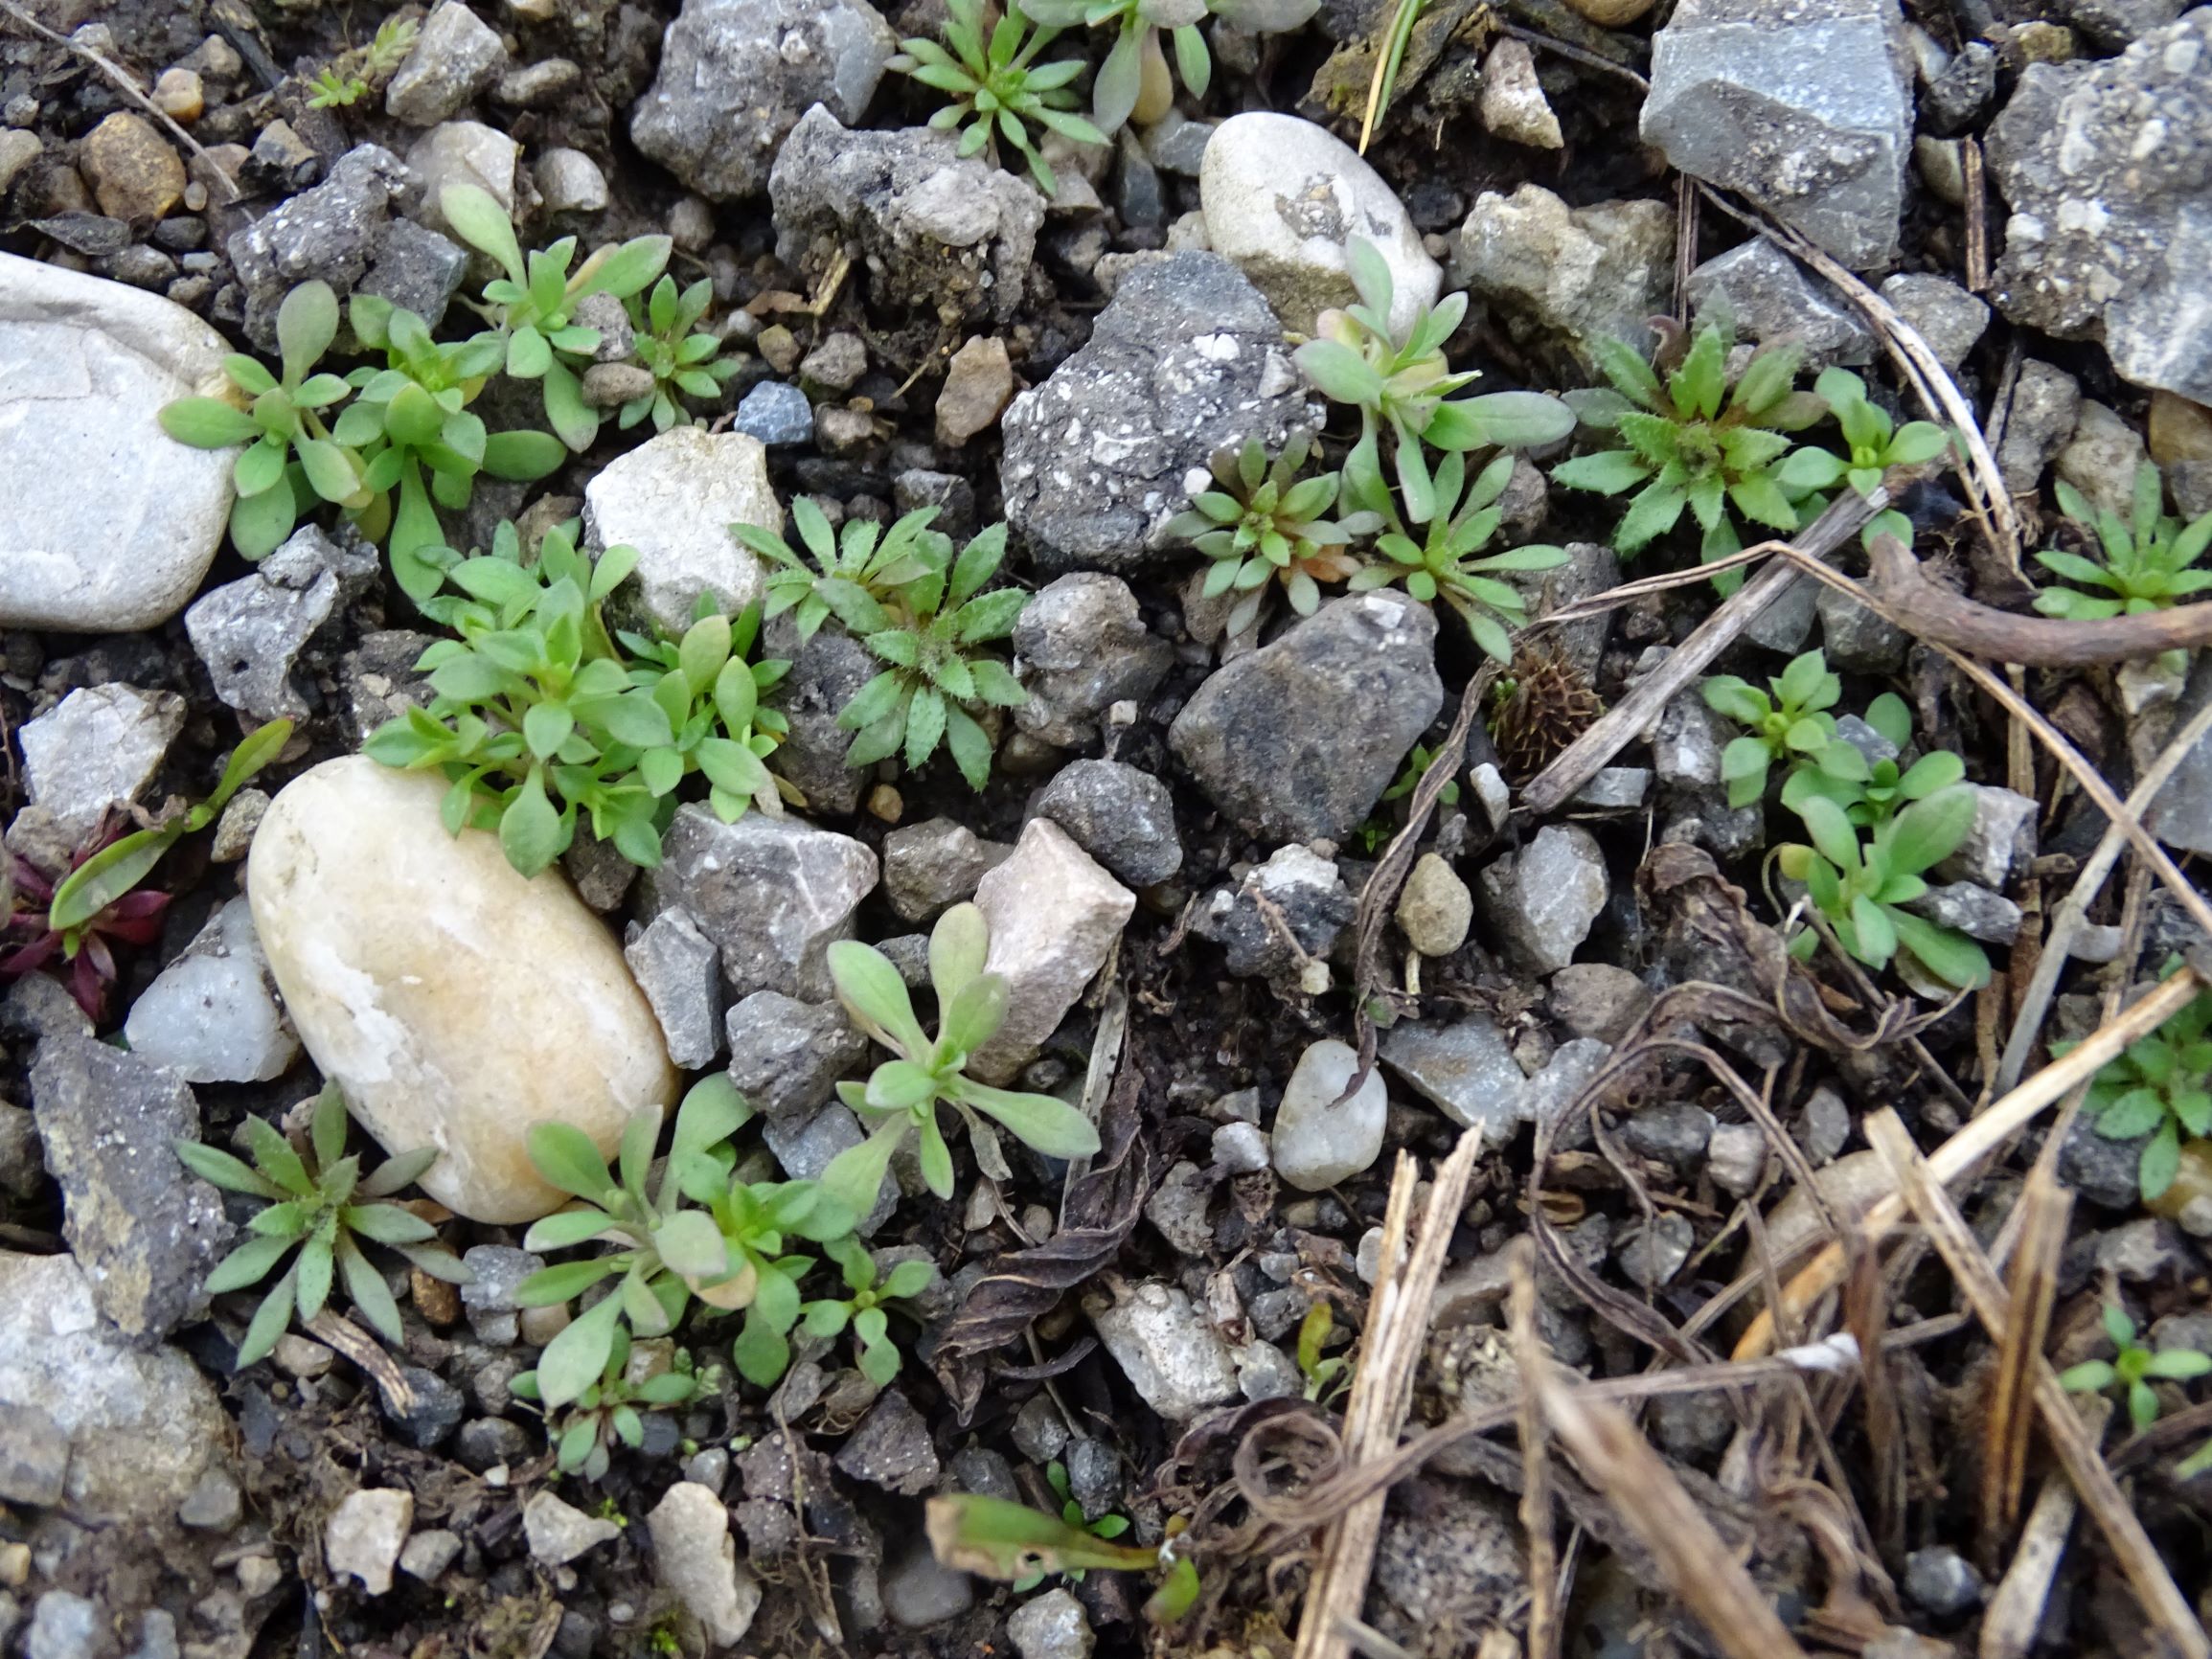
x: 2161, y: 1087
x: 610, y: 1411
x: 1265, y: 526
x: 1788, y: 726
x: 1134, y: 80
x: 1861, y: 888
x: 865, y: 1308
x: 2149, y: 560
x: 997, y: 87
x: 352, y: 75
x: 319, y: 1205
x: 2133, y: 1369
x: 682, y: 357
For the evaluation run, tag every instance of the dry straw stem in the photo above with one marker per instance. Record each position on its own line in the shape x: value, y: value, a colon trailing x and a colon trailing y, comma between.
x: 1536, y: 1497
x: 1954, y: 1242
x: 1978, y: 1139
x: 2044, y: 1207
x: 2015, y: 1612
x: 1643, y: 1490
x: 1383, y: 1388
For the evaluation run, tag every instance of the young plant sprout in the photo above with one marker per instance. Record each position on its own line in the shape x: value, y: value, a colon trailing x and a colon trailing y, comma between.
x: 996, y: 85
x: 2133, y: 1369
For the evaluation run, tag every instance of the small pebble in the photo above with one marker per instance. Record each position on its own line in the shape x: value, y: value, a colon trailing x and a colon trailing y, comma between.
x: 179, y: 95
x: 1435, y: 909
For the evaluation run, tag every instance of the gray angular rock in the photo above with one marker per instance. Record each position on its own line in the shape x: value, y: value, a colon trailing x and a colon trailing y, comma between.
x: 1805, y: 106
x: 785, y: 1055
x: 932, y: 866
x: 428, y: 1555
x: 939, y: 232
x: 1266, y: 737
x: 145, y: 1229
x: 1855, y: 639
x: 457, y: 153
x: 737, y: 75
x: 1567, y: 276
x: 772, y: 893
x: 559, y: 1532
x: 1673, y: 1132
x: 142, y: 1425
x: 1187, y: 359
x: 1541, y: 901
x: 1174, y: 1359
x: 1123, y: 817
x: 1948, y: 318
x: 2182, y: 814
x: 63, y: 1625
x: 1055, y: 917
x: 1177, y: 1207
x: 803, y: 1146
x: 211, y: 1017
x: 678, y: 969
x: 1597, y: 999
x: 249, y: 633
x: 2000, y: 840
x: 920, y: 1591
x: 1462, y: 1067
x: 489, y: 1299
x: 1770, y: 296
x: 1735, y: 1155
x: 99, y: 746
x: 826, y: 672
x: 674, y: 498
x: 1080, y: 646
x: 1314, y: 1142
x: 777, y: 414
x: 1296, y: 892
x: 1650, y: 1253
x: 2047, y: 404
x: 1942, y: 1580
x: 570, y: 182
x: 417, y: 268
x: 110, y: 524
x: 34, y: 1457
x: 2105, y: 167
x: 2101, y: 459
x: 889, y: 1448
x: 696, y: 1560
x: 1974, y: 911
x: 456, y: 56
x: 1052, y: 1625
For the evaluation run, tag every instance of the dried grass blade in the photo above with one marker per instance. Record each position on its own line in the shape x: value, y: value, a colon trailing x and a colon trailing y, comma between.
x: 1536, y: 1498
x: 2015, y: 1611
x: 2044, y: 1207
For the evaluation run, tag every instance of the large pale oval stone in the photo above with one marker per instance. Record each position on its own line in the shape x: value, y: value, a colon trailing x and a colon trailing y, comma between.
x: 109, y: 524
x: 456, y: 1002
x: 1281, y: 197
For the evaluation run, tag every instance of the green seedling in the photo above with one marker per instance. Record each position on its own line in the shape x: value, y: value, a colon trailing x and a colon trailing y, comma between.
x: 1437, y: 556
x: 902, y: 1097
x: 2160, y: 1087
x: 1876, y: 442
x: 755, y: 1222
x: 997, y: 87
x: 1399, y: 382
x: 289, y: 460
x: 1326, y: 1376
x: 608, y: 1413
x: 1695, y: 442
x: 1107, y: 1527
x: 866, y: 558
x: 1134, y: 80
x: 2133, y: 1369
x: 532, y: 309
x: 681, y: 356
x: 320, y: 1206
x: 353, y: 74
x: 662, y: 1249
x: 1860, y: 889
x: 2148, y: 565
x: 864, y: 1310
x: 712, y: 698
x: 1870, y: 793
x: 995, y: 1538
x: 1265, y: 525
x: 1791, y: 725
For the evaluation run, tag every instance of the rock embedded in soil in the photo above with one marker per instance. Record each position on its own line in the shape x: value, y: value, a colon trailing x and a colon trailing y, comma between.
x: 1598, y: 999
x: 364, y: 1536
x: 1948, y: 318
x: 34, y: 1457
x: 1174, y: 1359
x: 803, y: 1146
x: 1451, y: 1559
x: 111, y: 523
x: 559, y: 1532
x: 2047, y: 404
x: 920, y: 1591
x: 1052, y: 1625
x: 1541, y: 901
x: 2103, y: 164
x: 1513, y: 106
x: 772, y: 893
x: 697, y: 1561
x: 1567, y: 276
x: 2000, y: 839
x: 1434, y: 907
x: 458, y: 152
x: 787, y: 1055
x: 736, y: 76
x: 133, y: 173
x: 1055, y: 917
x: 2101, y: 459
x: 890, y: 1449
x: 936, y: 232
x: 1462, y: 1067
x: 1281, y: 919
x: 141, y: 1427
x: 1080, y: 646
x: 1765, y: 294
x: 679, y: 970
x: 456, y: 56
x: 1805, y: 106
x: 1315, y: 1143
x: 145, y: 1230
x: 930, y: 867
x: 98, y: 747
x: 2182, y: 814
x: 978, y: 384
x: 1186, y: 360
x: 674, y: 498
x: 249, y: 633
x: 211, y: 1017
x: 826, y: 672
x: 1123, y: 817
x: 1282, y: 197
x: 776, y: 414
x: 456, y: 1002
x: 1267, y: 736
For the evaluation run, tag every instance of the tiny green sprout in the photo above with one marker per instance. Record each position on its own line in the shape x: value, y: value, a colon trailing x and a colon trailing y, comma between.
x: 1107, y: 1526
x: 2147, y: 565
x: 1399, y: 379
x: 995, y: 87
x: 1877, y: 443
x: 532, y: 307
x: 2159, y: 1086
x: 2133, y: 1369
x: 865, y: 1310
x: 867, y: 557
x: 1326, y: 1377
x: 1793, y: 723
x: 682, y: 361
x: 665, y: 1247
x: 290, y: 458
x: 756, y: 1220
x: 1417, y: 766
x: 1133, y: 80
x: 1441, y: 564
x: 608, y: 1412
x: 1265, y: 525
x: 902, y: 1095
x: 1860, y: 889
x: 1870, y: 793
x: 319, y: 1205
x: 1693, y: 441
x: 353, y: 74
x: 712, y: 698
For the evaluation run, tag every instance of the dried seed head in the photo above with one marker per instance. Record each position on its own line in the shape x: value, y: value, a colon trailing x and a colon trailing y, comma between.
x: 1544, y: 705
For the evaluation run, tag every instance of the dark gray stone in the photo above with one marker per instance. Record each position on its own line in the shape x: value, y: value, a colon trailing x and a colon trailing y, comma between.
x: 1080, y: 646
x: 677, y: 966
x: 826, y: 672
x: 1296, y: 892
x: 1122, y: 817
x: 1267, y: 736
x: 1767, y: 295
x: 891, y: 1447
x: 932, y: 866
x: 250, y: 633
x: 785, y: 1055
x: 1942, y: 1580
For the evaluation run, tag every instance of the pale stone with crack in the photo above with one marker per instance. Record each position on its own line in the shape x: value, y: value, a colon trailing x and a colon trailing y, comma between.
x: 1055, y: 917
x: 100, y: 746
x: 697, y: 1559
x: 365, y: 1533
x: 457, y: 1002
x: 1175, y: 1361
x: 674, y: 498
